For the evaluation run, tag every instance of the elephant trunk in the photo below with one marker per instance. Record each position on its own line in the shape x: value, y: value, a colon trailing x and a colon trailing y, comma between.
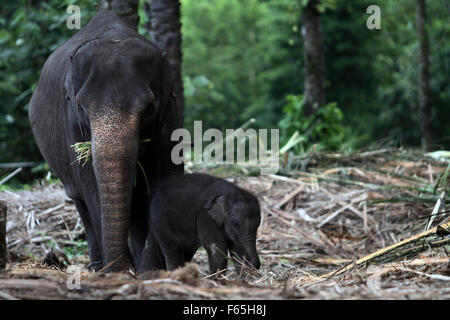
x: 114, y: 153
x: 245, y: 252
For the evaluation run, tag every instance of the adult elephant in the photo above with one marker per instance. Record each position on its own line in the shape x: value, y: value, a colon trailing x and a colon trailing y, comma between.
x: 109, y: 86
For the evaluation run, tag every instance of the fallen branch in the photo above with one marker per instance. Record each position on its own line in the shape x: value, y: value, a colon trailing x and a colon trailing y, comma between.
x: 11, y: 175
x: 439, y: 277
x: 437, y: 207
x: 49, y: 211
x: 288, y: 197
x: 387, y: 250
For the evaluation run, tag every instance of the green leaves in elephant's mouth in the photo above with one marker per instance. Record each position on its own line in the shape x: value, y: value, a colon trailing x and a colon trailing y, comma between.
x: 84, y: 154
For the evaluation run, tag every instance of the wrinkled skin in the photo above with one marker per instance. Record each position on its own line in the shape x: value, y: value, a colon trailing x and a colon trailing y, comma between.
x: 112, y: 87
x: 196, y: 210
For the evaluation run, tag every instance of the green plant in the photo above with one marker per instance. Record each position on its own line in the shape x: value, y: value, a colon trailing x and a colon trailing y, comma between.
x: 324, y: 127
x: 84, y: 154
x: 80, y: 249
x: 29, y: 32
x: 322, y: 5
x: 30, y: 254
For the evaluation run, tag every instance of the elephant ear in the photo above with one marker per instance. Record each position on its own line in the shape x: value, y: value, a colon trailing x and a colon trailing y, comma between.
x: 168, y: 121
x: 77, y: 114
x: 216, y: 209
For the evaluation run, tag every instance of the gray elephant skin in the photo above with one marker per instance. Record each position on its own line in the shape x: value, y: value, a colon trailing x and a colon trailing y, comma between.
x: 193, y: 210
x: 109, y: 86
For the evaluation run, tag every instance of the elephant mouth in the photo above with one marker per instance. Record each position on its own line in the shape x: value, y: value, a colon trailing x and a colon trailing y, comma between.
x: 83, y: 152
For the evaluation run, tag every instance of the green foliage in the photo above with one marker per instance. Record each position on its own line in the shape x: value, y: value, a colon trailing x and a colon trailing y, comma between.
x: 143, y: 19
x: 350, y: 49
x: 240, y: 59
x: 322, y: 5
x: 17, y: 185
x: 374, y: 76
x: 201, y: 93
x: 83, y: 152
x: 80, y: 249
x: 323, y: 127
x: 14, y: 185
x: 28, y: 34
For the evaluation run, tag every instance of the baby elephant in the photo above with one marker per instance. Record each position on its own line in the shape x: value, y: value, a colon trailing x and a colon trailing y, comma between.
x: 193, y: 210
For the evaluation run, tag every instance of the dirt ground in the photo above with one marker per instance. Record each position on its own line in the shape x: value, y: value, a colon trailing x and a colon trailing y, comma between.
x: 317, y: 227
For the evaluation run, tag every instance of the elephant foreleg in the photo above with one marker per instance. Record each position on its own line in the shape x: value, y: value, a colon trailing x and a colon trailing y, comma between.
x: 217, y: 256
x: 95, y: 251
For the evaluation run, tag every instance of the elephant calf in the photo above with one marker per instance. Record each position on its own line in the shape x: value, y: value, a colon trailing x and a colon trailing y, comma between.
x: 193, y: 210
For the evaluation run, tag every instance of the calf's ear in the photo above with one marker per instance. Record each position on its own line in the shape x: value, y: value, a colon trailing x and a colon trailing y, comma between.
x: 216, y: 209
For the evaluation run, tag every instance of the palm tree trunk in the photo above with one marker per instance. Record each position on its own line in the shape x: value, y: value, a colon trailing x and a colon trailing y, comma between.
x: 127, y: 9
x: 164, y: 26
x: 424, y: 76
x: 313, y: 56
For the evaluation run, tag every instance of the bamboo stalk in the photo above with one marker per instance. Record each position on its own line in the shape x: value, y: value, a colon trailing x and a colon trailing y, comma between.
x: 286, y: 199
x: 11, y: 175
x: 436, y: 208
x: 363, y: 184
x: 318, y: 242
x: 386, y: 250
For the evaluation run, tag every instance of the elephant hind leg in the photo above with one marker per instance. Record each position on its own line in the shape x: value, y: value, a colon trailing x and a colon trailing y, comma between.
x: 173, y: 256
x: 95, y: 250
x: 188, y: 255
x: 152, y: 257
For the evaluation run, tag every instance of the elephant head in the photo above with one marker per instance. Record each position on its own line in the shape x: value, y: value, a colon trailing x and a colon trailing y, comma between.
x: 238, y: 214
x: 120, y: 93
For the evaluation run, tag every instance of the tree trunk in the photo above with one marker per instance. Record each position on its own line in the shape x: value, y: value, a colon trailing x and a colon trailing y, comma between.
x: 313, y: 56
x: 164, y: 26
x: 3, y: 255
x: 127, y: 9
x: 424, y: 76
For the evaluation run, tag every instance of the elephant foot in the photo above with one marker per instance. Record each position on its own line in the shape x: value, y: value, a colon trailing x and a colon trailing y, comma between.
x: 119, y: 265
x: 95, y: 266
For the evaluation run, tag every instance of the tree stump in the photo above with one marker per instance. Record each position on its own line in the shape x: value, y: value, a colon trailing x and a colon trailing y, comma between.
x: 3, y: 255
